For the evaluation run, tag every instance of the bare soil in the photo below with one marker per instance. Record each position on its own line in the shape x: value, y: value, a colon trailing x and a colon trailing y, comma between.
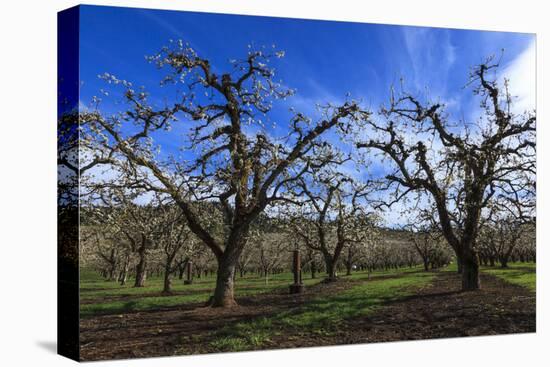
x: 437, y: 311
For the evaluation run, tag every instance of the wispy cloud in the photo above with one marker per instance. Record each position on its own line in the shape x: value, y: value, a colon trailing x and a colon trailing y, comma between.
x: 306, y: 103
x: 162, y: 23
x: 521, y: 72
x: 431, y: 54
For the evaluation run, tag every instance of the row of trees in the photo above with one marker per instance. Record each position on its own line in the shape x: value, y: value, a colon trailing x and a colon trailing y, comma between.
x: 239, y: 171
x: 121, y: 238
x: 124, y: 241
x: 507, y: 241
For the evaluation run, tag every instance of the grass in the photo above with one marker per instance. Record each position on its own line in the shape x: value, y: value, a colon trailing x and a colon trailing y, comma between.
x: 99, y: 295
x: 233, y: 344
x: 523, y: 274
x: 323, y: 315
x: 320, y: 316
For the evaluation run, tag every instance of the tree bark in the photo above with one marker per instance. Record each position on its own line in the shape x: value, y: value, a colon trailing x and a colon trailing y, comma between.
x: 167, y: 289
x: 348, y: 268
x: 470, y: 271
x: 189, y: 270
x: 331, y: 269
x: 124, y: 273
x: 227, y: 265
x: 141, y: 274
x: 458, y: 264
x: 112, y: 271
x: 112, y: 265
x: 223, y: 294
x: 349, y: 261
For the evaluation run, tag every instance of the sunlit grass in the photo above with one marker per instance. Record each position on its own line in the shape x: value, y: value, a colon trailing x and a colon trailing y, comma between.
x: 523, y: 274
x: 323, y: 315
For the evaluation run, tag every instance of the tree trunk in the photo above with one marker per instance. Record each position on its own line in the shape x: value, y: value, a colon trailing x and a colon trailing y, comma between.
x: 141, y: 269
x: 124, y: 277
x: 112, y: 271
x: 189, y: 269
x: 458, y: 264
x: 331, y: 269
x: 504, y: 262
x: 223, y: 294
x: 426, y: 262
x: 112, y: 265
x: 470, y: 271
x: 124, y: 273
x: 348, y: 268
x: 266, y: 275
x: 167, y: 289
x: 141, y: 274
x: 227, y: 265
x: 313, y: 269
x: 349, y: 261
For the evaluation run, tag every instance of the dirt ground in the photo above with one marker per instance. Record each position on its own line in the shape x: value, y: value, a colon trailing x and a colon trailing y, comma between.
x: 437, y: 311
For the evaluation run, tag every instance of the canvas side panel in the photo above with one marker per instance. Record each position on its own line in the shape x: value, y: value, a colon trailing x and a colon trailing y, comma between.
x: 67, y: 191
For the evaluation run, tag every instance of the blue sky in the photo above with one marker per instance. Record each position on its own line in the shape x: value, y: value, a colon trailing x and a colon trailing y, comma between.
x: 323, y: 60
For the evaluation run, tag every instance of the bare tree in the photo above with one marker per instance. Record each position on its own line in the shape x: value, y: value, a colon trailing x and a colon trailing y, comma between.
x: 311, y: 261
x: 245, y: 260
x: 125, y: 266
x: 466, y: 164
x: 136, y: 226
x: 368, y: 234
x: 330, y: 216
x: 502, y: 230
x: 175, y: 239
x: 426, y: 238
x: 427, y: 243
x: 271, y: 249
x: 239, y: 166
x: 105, y: 249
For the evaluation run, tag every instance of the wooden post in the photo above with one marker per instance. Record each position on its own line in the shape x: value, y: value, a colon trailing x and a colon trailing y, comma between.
x: 189, y: 279
x: 297, y: 287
